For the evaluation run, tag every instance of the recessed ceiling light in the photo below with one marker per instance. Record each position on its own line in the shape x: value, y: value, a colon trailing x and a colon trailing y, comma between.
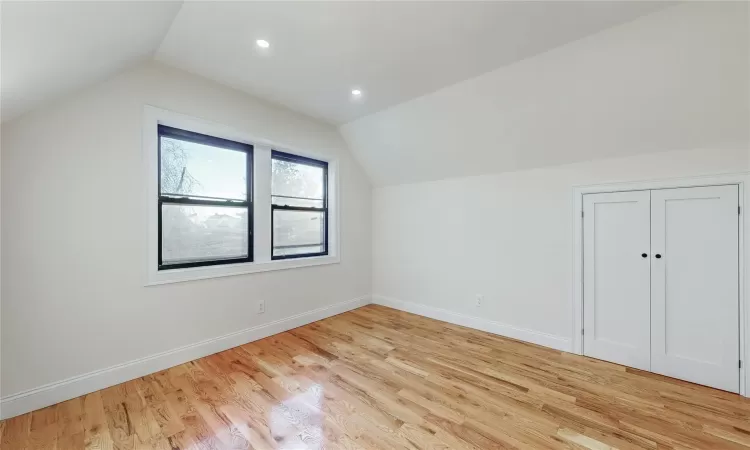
x: 262, y: 43
x: 356, y: 92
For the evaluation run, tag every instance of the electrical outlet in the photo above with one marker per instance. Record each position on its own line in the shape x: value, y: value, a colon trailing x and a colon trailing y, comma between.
x: 261, y: 307
x: 480, y: 299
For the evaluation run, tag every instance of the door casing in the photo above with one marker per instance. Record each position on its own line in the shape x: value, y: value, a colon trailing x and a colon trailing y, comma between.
x: 739, y: 179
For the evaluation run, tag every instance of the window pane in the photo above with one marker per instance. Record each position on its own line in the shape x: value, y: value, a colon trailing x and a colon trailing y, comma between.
x: 188, y: 169
x: 199, y: 233
x: 291, y: 179
x: 298, y: 232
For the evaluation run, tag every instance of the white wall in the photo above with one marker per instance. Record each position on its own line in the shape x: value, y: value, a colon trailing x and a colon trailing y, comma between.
x: 74, y: 232
x: 676, y: 79
x: 663, y: 96
x: 507, y: 236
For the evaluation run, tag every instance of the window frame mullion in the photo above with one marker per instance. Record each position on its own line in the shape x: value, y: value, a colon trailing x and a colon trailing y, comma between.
x: 203, y: 202
x: 298, y: 208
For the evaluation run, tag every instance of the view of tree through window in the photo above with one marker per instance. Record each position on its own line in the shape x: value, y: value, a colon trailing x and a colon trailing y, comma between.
x: 174, y: 172
x: 204, y: 205
x: 199, y: 170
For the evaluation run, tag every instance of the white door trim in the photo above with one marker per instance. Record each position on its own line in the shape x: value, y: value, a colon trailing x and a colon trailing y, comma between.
x: 740, y: 179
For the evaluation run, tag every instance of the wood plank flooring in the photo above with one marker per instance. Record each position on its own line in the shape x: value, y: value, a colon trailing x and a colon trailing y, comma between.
x: 377, y: 378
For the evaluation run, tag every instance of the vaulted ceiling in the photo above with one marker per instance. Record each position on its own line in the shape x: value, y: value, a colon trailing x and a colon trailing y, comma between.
x: 320, y: 51
x: 449, y: 88
x: 393, y: 51
x: 677, y: 79
x: 50, y: 49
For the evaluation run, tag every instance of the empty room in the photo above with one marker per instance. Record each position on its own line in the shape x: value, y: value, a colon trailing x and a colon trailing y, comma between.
x: 374, y: 225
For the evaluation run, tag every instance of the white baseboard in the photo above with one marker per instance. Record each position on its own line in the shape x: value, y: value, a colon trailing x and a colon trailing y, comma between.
x: 502, y: 329
x: 43, y: 396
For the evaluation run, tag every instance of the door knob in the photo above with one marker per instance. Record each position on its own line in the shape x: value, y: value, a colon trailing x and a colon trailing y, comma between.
x: 643, y: 255
x: 658, y: 256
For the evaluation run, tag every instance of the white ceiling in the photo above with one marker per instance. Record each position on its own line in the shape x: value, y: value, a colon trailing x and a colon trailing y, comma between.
x: 48, y: 49
x: 678, y: 79
x: 394, y: 51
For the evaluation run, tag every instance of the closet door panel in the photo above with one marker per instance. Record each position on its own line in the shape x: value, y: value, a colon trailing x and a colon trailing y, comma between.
x: 695, y: 285
x: 616, y: 277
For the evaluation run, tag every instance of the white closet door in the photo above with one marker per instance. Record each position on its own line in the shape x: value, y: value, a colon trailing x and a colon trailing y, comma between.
x: 616, y: 276
x: 694, y: 285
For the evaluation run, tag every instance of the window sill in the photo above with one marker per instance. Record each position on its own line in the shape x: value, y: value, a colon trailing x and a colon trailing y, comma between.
x: 228, y: 270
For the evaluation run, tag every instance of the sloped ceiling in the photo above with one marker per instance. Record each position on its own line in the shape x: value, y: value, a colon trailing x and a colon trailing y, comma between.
x: 673, y: 80
x: 48, y: 49
x: 394, y: 51
x: 543, y: 82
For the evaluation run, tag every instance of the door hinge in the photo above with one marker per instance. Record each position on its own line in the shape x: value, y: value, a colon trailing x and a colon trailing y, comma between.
x: 581, y: 213
x: 739, y: 210
x: 582, y: 333
x: 740, y: 364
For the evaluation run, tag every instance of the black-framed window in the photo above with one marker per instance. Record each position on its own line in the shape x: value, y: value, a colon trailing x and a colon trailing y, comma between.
x: 205, y: 200
x: 299, y: 206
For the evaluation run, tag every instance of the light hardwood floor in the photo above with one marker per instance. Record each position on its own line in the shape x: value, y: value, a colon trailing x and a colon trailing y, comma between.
x: 380, y: 378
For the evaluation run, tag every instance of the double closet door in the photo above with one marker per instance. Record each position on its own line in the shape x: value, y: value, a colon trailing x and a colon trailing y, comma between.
x: 661, y: 282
